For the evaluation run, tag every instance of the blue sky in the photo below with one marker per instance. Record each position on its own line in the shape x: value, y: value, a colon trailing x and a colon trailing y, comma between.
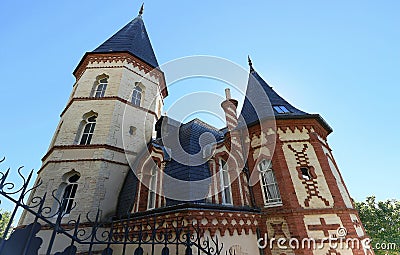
x: 339, y: 59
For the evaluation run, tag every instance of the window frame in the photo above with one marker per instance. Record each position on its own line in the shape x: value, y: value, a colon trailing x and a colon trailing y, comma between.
x: 223, y: 170
x: 137, y: 95
x: 152, y: 194
x: 88, y: 130
x: 268, y: 198
x: 67, y: 199
x: 281, y: 109
x: 100, y: 88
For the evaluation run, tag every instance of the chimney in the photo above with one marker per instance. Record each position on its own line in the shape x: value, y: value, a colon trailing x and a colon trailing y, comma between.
x: 229, y: 106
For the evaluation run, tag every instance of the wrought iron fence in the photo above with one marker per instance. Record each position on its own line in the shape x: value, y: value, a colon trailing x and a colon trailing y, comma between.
x: 136, y: 236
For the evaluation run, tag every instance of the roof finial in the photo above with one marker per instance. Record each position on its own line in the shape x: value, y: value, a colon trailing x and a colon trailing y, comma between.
x: 250, y: 63
x: 141, y: 10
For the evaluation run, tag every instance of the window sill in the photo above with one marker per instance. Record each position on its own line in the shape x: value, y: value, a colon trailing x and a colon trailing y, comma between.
x: 273, y: 204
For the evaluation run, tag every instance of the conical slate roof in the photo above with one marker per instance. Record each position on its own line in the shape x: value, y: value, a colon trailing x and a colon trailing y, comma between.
x: 132, y: 38
x: 256, y: 91
x: 256, y: 107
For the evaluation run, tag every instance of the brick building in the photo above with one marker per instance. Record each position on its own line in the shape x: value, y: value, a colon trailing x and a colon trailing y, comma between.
x: 269, y: 171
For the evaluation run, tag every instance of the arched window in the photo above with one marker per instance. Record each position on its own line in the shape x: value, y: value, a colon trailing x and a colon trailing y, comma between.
x: 137, y: 95
x: 68, y: 197
x: 225, y: 183
x: 101, y: 87
x: 269, y: 185
x: 87, y: 132
x: 151, y: 202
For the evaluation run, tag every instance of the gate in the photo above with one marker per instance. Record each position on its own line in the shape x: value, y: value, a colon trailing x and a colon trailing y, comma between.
x: 137, y: 236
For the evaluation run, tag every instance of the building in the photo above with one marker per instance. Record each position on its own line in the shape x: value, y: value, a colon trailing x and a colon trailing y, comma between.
x: 269, y: 172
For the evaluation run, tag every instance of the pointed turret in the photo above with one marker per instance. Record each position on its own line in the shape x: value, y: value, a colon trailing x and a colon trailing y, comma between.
x: 281, y: 108
x: 250, y: 64
x: 132, y: 38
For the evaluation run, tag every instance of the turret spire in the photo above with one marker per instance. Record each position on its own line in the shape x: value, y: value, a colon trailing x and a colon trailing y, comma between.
x: 250, y: 64
x: 141, y: 10
x: 132, y: 38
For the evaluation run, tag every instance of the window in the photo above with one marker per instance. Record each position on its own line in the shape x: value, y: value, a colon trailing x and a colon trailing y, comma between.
x: 68, y: 197
x: 137, y: 95
x: 225, y: 183
x: 281, y: 109
x: 88, y: 130
x: 305, y: 172
x: 268, y: 183
x: 152, y: 189
x: 101, y: 88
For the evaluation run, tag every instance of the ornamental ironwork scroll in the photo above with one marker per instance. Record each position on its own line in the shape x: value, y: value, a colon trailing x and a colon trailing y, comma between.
x: 146, y: 235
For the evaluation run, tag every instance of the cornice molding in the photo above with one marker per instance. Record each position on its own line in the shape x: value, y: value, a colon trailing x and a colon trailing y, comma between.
x: 81, y: 160
x: 87, y: 146
x: 93, y: 57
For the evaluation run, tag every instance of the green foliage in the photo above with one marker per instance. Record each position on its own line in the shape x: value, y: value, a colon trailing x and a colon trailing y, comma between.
x: 4, y: 219
x: 381, y: 220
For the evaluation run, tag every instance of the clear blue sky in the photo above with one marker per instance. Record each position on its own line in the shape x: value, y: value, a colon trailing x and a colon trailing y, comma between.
x: 340, y: 59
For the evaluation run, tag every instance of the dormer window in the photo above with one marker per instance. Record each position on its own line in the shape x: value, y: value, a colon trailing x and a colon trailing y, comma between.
x: 281, y: 109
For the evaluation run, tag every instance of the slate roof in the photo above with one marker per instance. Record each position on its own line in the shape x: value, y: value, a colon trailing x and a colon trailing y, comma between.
x: 257, y: 89
x: 127, y: 194
x: 179, y: 165
x: 193, y: 167
x: 194, y: 134
x: 132, y: 38
x: 256, y: 93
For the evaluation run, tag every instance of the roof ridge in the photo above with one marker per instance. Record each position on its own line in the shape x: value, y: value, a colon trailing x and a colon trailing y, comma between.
x: 202, y: 123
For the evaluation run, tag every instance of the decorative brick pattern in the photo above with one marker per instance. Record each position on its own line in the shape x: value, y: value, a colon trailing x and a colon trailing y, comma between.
x: 357, y: 225
x: 314, y: 204
x: 332, y: 251
x: 311, y: 185
x: 327, y: 250
x: 105, y: 59
x: 226, y: 223
x: 278, y: 228
x: 322, y: 225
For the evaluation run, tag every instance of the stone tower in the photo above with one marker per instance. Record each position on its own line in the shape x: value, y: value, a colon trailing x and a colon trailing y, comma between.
x: 110, y: 115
